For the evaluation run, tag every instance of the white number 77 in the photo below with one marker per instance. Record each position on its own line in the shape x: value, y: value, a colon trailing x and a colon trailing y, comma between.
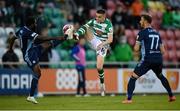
x: 152, y: 42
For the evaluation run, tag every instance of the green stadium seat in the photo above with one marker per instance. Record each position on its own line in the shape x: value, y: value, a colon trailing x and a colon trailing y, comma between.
x: 54, y: 32
x: 56, y: 13
x: 48, y: 12
x: 90, y: 55
x: 110, y: 57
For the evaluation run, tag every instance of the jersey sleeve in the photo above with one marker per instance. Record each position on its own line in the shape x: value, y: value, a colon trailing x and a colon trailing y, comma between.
x: 89, y: 23
x: 32, y: 35
x: 17, y: 34
x: 110, y: 28
x: 82, y: 30
x: 160, y: 41
x: 24, y: 33
x: 139, y: 37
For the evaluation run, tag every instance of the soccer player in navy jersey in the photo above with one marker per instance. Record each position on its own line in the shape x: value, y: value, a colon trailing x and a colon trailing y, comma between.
x: 32, y: 46
x: 151, y: 47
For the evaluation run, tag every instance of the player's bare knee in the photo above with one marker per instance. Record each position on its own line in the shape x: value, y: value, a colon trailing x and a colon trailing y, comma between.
x: 99, y: 67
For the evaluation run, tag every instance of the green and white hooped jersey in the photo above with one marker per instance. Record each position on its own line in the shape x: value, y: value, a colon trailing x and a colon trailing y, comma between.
x: 100, y: 30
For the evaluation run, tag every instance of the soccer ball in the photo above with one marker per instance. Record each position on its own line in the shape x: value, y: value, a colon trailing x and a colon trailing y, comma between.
x: 68, y: 29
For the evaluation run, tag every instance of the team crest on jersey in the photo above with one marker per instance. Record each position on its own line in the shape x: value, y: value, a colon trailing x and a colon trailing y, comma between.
x: 104, y: 26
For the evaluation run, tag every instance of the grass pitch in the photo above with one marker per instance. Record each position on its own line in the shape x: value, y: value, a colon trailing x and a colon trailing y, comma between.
x: 149, y: 102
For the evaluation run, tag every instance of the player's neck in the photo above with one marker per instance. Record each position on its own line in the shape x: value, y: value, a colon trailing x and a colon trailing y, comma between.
x: 147, y: 26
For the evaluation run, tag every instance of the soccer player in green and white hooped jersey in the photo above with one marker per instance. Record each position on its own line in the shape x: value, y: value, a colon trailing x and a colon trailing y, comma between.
x: 99, y: 32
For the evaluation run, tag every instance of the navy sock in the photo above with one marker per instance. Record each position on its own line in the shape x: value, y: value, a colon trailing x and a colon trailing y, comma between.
x: 34, y: 84
x: 56, y: 42
x: 101, y: 75
x: 131, y: 87
x: 166, y: 85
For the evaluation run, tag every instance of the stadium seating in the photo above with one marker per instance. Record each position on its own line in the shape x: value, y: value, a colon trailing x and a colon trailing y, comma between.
x: 111, y: 5
x: 162, y: 34
x: 2, y: 32
x: 9, y: 29
x: 177, y: 34
x: 172, y: 55
x: 131, y: 41
x: 92, y: 13
x: 170, y: 34
x: 177, y: 42
x: 178, y: 55
x: 54, y: 32
x: 90, y: 55
x: 135, y: 32
x: 64, y: 54
x: 129, y: 33
x: 171, y: 44
x: 166, y: 57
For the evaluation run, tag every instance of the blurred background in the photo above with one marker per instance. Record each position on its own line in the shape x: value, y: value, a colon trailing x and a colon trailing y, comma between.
x: 52, y: 15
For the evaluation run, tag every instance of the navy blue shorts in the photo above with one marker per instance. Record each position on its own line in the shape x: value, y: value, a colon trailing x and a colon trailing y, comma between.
x: 144, y: 66
x: 33, y: 55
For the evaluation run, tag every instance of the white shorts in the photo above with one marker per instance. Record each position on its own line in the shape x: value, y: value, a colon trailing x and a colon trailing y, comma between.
x: 94, y: 43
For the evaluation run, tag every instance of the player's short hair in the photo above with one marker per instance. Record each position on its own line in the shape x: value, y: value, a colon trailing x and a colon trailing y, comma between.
x: 147, y: 17
x: 101, y: 11
x: 29, y: 21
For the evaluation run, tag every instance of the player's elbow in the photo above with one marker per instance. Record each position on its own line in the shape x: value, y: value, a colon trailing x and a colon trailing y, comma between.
x: 136, y: 49
x: 162, y: 51
x: 162, y: 48
x: 110, y: 41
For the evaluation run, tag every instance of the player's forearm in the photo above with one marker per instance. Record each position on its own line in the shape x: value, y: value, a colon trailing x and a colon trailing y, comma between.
x: 108, y: 41
x: 40, y: 39
x: 81, y: 31
x: 162, y: 48
x: 137, y: 47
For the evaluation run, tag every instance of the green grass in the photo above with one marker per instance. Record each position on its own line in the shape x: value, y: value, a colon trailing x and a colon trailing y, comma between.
x: 149, y: 102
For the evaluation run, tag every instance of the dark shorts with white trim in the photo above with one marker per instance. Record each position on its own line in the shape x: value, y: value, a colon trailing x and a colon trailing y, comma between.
x: 144, y: 66
x: 32, y: 56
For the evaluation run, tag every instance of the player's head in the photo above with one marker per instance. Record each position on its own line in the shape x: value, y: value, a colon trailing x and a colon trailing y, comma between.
x: 100, y: 15
x: 31, y: 23
x: 145, y: 20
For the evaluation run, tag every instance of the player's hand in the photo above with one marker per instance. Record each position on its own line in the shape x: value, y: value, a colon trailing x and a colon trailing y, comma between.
x: 100, y: 46
x: 75, y: 36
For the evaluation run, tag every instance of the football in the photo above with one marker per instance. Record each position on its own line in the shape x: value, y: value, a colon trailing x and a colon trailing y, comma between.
x: 68, y: 29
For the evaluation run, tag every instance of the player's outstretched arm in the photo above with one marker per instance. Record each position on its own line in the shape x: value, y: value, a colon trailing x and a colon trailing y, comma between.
x: 80, y: 32
x: 40, y: 39
x: 83, y: 29
x: 137, y: 46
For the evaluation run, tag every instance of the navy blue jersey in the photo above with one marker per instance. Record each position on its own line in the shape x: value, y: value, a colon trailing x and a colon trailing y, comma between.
x: 26, y: 37
x: 150, y: 41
